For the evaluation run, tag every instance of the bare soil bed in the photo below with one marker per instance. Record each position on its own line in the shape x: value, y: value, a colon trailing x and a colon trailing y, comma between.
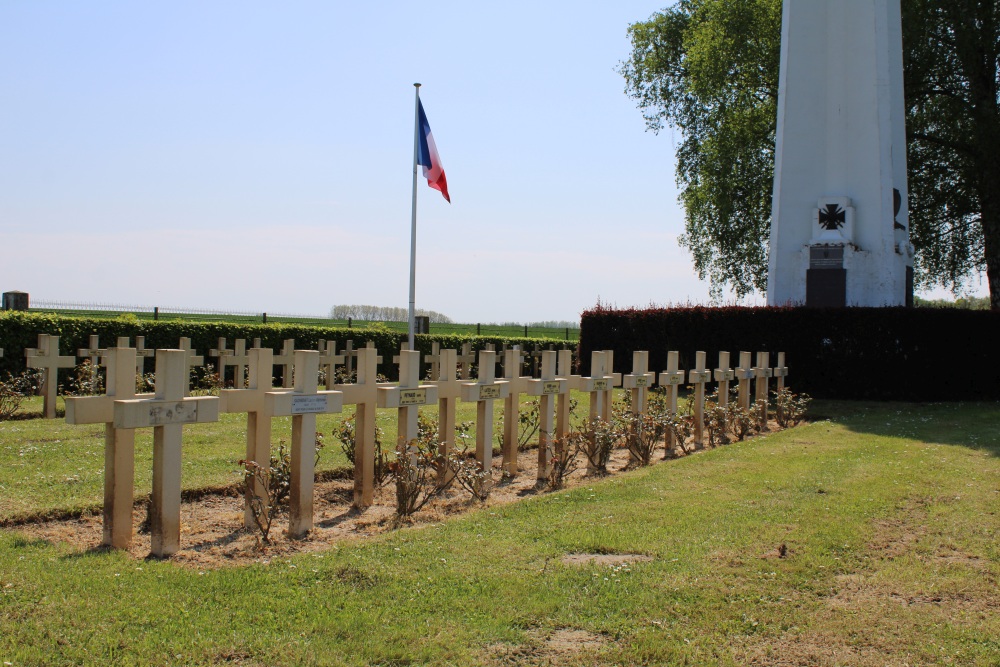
x: 213, y: 536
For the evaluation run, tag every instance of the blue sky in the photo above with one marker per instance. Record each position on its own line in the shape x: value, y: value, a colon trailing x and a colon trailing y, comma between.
x: 257, y: 156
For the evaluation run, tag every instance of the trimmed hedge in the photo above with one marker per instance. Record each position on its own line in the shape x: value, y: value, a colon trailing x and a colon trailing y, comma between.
x: 19, y: 330
x: 847, y: 353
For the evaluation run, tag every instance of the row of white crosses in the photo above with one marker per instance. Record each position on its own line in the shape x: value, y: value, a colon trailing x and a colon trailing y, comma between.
x: 122, y: 411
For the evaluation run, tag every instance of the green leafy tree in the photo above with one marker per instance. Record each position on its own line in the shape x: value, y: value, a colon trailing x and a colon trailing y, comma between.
x: 709, y: 68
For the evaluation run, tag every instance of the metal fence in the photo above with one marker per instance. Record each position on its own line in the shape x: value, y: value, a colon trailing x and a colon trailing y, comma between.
x: 103, y: 310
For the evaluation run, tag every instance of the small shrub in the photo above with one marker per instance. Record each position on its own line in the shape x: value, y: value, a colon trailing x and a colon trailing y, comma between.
x: 345, y: 433
x: 145, y: 384
x: 715, y: 421
x: 15, y: 389
x: 759, y: 411
x: 416, y: 473
x: 470, y: 475
x: 643, y: 433
x: 740, y: 421
x: 87, y: 380
x: 597, y: 440
x: 563, y: 461
x: 680, y: 425
x: 206, y: 381
x: 790, y: 408
x: 275, y: 480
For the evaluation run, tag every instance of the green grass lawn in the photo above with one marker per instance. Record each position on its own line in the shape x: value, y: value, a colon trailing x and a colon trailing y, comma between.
x: 887, y: 515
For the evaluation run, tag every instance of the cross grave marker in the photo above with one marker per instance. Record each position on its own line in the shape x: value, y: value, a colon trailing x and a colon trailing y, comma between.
x: 254, y: 402
x: 483, y: 392
x: 328, y: 362
x: 550, y: 389
x: 698, y: 377
x: 407, y: 397
x: 303, y: 404
x: 724, y: 375
x: 193, y: 360
x: 363, y: 394
x: 517, y: 384
x: 780, y: 372
x: 465, y: 360
x: 762, y: 374
x: 140, y: 355
x: 671, y: 379
x: 449, y: 388
x: 286, y: 359
x: 744, y: 373
x: 46, y: 357
x: 119, y: 444
x: 166, y: 413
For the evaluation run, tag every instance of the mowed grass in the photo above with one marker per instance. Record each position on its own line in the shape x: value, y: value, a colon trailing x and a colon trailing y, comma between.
x: 886, y: 516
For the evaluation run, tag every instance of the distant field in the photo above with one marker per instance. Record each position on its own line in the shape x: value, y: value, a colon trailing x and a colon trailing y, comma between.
x: 570, y: 334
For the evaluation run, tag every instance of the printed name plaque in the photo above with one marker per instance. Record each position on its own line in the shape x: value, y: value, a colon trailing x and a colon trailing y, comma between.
x: 641, y: 381
x: 305, y: 405
x: 550, y: 388
x: 600, y: 385
x: 675, y: 379
x: 489, y: 391
x: 412, y: 396
x: 700, y: 376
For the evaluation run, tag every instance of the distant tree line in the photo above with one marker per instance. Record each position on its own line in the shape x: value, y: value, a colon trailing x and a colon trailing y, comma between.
x: 966, y: 302
x: 549, y: 324
x: 383, y: 314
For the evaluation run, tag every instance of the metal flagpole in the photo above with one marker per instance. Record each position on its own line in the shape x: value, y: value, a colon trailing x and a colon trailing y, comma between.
x: 413, y: 215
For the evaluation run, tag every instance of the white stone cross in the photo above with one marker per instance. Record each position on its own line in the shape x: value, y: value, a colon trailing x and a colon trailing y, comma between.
x: 434, y: 359
x: 166, y: 413
x: 762, y: 373
x: 698, y: 377
x: 724, y: 375
x: 119, y: 445
x: 465, y: 360
x: 549, y: 388
x: 303, y: 404
x: 363, y: 394
x: 236, y: 357
x: 615, y: 380
x: 254, y: 402
x: 93, y: 353
x: 140, y: 355
x: 671, y: 379
x: 639, y: 381
x: 219, y: 353
x: 564, y: 370
x: 286, y: 359
x: 46, y: 357
x: 193, y: 360
x: 517, y: 384
x: 744, y: 373
x: 599, y: 384
x: 449, y: 391
x: 780, y: 372
x: 407, y: 397
x: 483, y: 392
x: 350, y: 354
x: 329, y: 360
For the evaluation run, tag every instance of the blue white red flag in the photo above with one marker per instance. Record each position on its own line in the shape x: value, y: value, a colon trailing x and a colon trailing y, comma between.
x: 428, y: 158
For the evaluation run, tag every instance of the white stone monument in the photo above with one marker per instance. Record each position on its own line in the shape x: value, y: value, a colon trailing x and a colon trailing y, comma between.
x: 839, y: 223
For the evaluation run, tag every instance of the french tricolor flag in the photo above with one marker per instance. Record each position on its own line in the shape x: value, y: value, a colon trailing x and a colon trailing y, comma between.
x: 427, y: 155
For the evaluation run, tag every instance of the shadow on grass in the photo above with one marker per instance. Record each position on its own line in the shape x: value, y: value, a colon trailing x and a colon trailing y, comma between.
x: 973, y: 424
